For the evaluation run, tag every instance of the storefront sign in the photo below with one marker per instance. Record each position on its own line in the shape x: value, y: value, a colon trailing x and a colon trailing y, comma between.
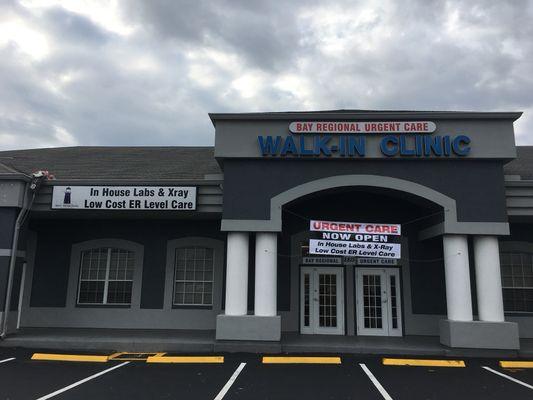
x: 374, y: 261
x: 175, y: 198
x: 362, y: 127
x: 355, y: 146
x: 355, y: 239
x: 349, y: 139
x: 322, y: 260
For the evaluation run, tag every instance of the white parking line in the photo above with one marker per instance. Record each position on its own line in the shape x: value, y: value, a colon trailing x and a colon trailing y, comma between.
x: 376, y: 383
x: 6, y: 360
x: 230, y: 382
x: 105, y: 371
x: 508, y: 377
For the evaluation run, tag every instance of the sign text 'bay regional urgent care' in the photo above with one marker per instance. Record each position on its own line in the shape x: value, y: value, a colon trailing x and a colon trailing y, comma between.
x: 355, y: 239
x: 175, y: 198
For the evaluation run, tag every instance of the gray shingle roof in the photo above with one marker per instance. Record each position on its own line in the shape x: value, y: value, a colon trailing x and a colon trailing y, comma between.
x: 152, y: 163
x: 105, y: 163
x: 523, y: 164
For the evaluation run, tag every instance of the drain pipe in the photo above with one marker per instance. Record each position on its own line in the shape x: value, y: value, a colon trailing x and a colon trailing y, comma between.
x: 33, y: 186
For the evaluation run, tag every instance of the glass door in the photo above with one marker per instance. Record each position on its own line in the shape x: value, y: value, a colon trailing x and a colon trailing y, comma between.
x: 322, y: 300
x: 378, y: 302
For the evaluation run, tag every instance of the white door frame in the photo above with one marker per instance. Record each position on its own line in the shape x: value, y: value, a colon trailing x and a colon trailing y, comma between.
x: 385, y: 275
x: 313, y: 327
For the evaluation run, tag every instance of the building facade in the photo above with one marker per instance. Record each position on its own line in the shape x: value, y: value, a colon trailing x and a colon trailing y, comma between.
x: 221, y: 238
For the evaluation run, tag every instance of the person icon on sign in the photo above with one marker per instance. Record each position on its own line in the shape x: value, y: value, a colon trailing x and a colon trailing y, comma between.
x: 66, y: 199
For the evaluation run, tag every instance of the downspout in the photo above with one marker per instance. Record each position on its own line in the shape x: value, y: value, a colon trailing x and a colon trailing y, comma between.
x: 32, y: 186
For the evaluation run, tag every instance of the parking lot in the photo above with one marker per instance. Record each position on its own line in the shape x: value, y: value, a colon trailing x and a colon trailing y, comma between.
x: 245, y: 376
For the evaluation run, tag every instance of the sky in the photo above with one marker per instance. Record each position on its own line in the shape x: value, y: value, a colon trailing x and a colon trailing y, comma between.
x: 147, y: 72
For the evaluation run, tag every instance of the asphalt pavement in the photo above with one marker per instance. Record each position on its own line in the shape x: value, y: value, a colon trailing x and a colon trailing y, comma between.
x: 247, y: 377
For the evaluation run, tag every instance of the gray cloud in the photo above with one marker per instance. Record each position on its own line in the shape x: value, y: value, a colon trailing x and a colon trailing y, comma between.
x: 92, y: 83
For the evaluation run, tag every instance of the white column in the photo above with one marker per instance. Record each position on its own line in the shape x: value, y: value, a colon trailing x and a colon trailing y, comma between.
x: 266, y: 269
x: 237, y: 274
x: 457, y: 272
x: 488, y: 279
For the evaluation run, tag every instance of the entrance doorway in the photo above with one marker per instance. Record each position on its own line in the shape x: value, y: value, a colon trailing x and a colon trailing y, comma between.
x: 322, y: 300
x: 378, y: 302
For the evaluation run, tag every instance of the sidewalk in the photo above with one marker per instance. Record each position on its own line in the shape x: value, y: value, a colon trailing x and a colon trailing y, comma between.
x: 203, y: 341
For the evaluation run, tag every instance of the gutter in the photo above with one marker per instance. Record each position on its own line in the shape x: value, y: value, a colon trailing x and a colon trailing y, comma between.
x: 33, y: 186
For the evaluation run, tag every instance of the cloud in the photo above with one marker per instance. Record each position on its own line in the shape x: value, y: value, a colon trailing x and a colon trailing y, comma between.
x: 147, y: 72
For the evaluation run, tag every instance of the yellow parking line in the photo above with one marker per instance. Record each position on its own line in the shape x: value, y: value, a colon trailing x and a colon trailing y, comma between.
x: 186, y: 359
x: 69, y: 357
x: 424, y: 363
x: 131, y: 356
x: 516, y: 364
x: 301, y: 360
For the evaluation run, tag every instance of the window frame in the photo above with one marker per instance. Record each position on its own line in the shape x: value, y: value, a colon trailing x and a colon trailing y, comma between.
x: 106, y: 280
x: 75, y: 272
x: 218, y: 271
x: 193, y: 281
x: 510, y: 250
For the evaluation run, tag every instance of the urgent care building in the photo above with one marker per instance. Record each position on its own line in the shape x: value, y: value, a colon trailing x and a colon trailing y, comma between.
x: 351, y: 223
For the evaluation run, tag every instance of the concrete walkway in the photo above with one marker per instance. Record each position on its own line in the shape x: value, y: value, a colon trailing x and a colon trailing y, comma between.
x: 203, y: 341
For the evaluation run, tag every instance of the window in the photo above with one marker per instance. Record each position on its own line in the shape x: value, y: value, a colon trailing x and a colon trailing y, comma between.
x: 193, y: 272
x: 517, y: 281
x: 106, y: 276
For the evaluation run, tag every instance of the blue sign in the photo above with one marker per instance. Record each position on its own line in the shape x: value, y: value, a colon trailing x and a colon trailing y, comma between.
x: 355, y: 146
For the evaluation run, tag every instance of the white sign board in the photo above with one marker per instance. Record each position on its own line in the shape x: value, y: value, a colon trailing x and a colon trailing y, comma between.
x: 362, y: 127
x: 374, y: 261
x: 357, y: 249
x: 175, y: 198
x: 355, y: 227
x: 322, y: 260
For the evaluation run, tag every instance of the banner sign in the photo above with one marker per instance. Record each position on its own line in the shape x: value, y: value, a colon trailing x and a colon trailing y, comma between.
x: 355, y: 227
x: 175, y: 198
x: 322, y: 260
x: 370, y: 261
x: 362, y: 127
x: 355, y: 239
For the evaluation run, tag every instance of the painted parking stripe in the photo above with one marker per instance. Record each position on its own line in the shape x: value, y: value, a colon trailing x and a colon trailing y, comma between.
x: 230, y: 382
x: 424, y: 363
x: 69, y: 357
x: 186, y: 359
x: 7, y: 359
x: 508, y: 377
x: 516, y: 364
x: 105, y: 371
x: 376, y: 383
x: 301, y: 360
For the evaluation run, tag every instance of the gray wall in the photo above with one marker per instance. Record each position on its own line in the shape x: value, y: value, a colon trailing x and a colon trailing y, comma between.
x: 476, y: 186
x: 51, y: 284
x: 7, y: 225
x: 490, y: 138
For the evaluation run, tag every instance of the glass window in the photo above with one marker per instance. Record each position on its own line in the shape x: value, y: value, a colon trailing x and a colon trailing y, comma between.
x: 106, y: 276
x: 193, y: 276
x: 517, y: 281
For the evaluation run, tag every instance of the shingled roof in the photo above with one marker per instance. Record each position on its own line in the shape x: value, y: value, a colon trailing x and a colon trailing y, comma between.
x: 108, y: 163
x: 153, y: 163
x: 523, y: 164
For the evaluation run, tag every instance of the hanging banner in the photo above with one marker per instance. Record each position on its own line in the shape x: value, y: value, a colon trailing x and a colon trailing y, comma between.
x: 357, y: 249
x: 355, y: 239
x: 175, y: 198
x: 355, y: 227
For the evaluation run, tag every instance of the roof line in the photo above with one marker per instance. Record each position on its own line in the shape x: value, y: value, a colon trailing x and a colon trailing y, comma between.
x: 364, y: 114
